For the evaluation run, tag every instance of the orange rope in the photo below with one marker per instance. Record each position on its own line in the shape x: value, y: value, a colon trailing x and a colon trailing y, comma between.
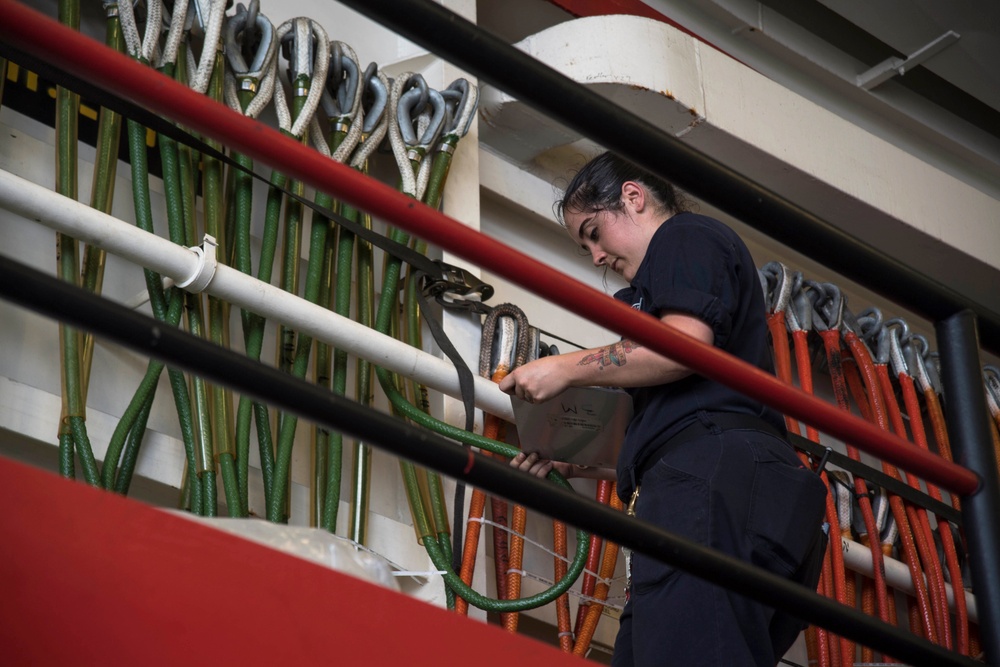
x: 474, y: 524
x: 823, y: 647
x: 782, y: 357
x: 593, y: 558
x: 804, y: 364
x: 517, y: 526
x: 608, y: 564
x: 867, y: 604
x: 995, y: 430
x: 498, y: 512
x: 492, y: 427
x: 975, y: 646
x: 833, y: 561
x: 563, y: 620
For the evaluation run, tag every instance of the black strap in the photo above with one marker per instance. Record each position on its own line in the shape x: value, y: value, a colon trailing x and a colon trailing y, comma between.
x: 723, y: 421
x: 874, y: 476
x: 466, y: 380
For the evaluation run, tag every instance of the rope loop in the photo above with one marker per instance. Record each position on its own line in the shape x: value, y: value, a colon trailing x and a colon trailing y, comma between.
x: 895, y: 330
x: 341, y: 98
x: 141, y: 48
x: 461, y: 99
x: 306, y: 47
x: 374, y: 101
x: 250, y: 34
x: 210, y: 15
x: 779, y: 283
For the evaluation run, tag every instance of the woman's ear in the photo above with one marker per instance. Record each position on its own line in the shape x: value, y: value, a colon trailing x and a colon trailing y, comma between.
x: 633, y: 196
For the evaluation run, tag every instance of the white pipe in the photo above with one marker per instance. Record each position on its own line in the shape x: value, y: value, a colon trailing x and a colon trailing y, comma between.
x: 858, y: 558
x: 181, y: 264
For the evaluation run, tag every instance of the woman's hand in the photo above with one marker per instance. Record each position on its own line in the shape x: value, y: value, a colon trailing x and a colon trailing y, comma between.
x: 538, y: 380
x: 535, y: 465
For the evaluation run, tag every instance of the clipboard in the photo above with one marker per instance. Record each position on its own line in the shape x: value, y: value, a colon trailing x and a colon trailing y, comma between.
x: 583, y: 425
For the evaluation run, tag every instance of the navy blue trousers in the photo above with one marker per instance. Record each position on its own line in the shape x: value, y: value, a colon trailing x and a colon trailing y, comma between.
x: 742, y: 492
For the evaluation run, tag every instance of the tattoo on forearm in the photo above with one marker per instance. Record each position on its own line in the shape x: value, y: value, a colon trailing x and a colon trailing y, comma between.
x: 614, y: 354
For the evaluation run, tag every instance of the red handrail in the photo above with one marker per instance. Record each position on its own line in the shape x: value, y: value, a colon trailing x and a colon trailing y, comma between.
x: 51, y: 42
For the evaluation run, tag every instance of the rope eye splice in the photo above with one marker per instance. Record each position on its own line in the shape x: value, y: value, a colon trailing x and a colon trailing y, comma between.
x: 461, y: 99
x: 374, y: 98
x: 306, y: 48
x: 142, y: 47
x: 341, y: 100
x: 250, y: 35
x: 890, y: 350
x: 779, y: 284
x: 420, y: 114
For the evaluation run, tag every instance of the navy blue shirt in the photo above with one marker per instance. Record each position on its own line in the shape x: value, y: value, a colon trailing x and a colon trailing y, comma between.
x: 696, y: 265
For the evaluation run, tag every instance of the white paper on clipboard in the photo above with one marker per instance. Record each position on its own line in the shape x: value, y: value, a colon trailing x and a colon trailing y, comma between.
x: 583, y: 425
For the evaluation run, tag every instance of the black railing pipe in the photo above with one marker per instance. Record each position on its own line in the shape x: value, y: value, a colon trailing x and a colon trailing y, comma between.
x: 60, y: 300
x: 475, y: 50
x: 972, y: 446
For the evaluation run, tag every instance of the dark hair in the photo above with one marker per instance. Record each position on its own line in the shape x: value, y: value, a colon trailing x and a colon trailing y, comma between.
x: 598, y: 187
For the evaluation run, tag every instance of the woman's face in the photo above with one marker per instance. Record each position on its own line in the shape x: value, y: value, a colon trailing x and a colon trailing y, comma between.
x: 614, y: 239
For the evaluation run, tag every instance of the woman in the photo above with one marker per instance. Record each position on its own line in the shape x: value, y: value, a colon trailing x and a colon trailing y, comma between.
x: 713, y: 465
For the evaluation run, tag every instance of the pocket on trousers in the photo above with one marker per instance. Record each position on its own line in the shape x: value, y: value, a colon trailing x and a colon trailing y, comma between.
x: 786, y: 513
x: 675, y: 501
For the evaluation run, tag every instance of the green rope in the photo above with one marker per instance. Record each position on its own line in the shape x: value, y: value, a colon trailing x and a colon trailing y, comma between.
x: 253, y: 334
x: 314, y: 278
x: 131, y: 454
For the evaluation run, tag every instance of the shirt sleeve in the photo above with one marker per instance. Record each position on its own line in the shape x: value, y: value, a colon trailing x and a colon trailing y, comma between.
x: 692, y: 271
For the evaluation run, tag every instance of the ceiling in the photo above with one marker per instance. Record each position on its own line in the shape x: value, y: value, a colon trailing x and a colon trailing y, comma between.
x: 944, y: 107
x: 969, y: 64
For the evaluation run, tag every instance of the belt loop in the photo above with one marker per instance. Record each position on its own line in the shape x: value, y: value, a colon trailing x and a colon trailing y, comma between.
x: 707, y: 421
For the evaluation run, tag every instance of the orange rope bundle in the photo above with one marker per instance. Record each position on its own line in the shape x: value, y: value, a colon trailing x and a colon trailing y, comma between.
x: 873, y: 409
x: 918, y: 519
x: 782, y: 357
x: 911, y: 403
x: 831, y: 342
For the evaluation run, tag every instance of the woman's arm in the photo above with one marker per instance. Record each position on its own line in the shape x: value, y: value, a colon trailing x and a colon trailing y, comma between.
x: 535, y: 465
x: 620, y: 364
